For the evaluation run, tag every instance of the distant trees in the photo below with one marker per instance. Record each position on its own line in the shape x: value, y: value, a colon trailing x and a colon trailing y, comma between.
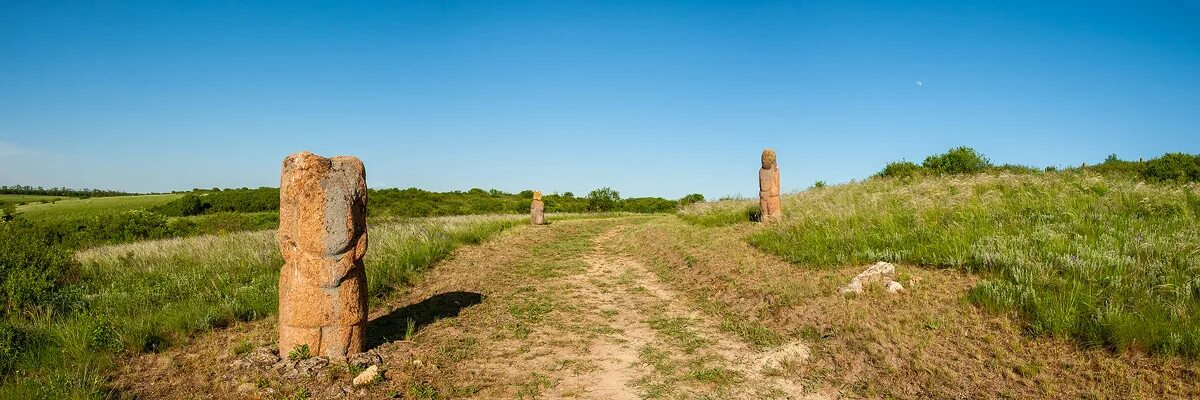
x: 603, y: 199
x: 60, y: 191
x: 1168, y: 168
x: 200, y: 202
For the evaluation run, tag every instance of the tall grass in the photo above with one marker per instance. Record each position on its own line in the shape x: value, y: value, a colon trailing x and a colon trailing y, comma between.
x: 1107, y: 261
x: 148, y: 295
x: 721, y: 213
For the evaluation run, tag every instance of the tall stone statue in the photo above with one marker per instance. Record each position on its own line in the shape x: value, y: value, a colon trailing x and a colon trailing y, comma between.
x: 537, y: 210
x: 323, y: 237
x: 768, y: 188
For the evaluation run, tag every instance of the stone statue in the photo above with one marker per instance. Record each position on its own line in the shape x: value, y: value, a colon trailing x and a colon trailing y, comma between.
x: 537, y: 210
x: 323, y: 237
x: 768, y: 188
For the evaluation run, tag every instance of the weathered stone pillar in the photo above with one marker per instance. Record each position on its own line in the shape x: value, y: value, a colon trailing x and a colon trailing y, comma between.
x: 537, y: 210
x: 323, y: 237
x: 768, y: 188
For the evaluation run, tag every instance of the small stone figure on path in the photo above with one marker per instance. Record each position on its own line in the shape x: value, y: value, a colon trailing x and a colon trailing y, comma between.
x: 768, y: 188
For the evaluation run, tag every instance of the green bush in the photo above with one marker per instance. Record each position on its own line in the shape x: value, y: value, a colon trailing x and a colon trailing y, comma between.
x: 1172, y: 167
x: 603, y: 199
x: 33, y: 270
x: 201, y: 202
x: 648, y: 205
x: 902, y: 169
x: 691, y: 199
x: 959, y: 160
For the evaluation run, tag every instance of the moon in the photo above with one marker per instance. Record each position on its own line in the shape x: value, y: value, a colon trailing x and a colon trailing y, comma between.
x: 920, y: 83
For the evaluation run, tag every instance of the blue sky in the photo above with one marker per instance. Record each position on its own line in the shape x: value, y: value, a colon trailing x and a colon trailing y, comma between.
x: 649, y: 98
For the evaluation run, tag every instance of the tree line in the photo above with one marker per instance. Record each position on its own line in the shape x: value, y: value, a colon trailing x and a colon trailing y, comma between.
x: 60, y: 191
x: 413, y: 202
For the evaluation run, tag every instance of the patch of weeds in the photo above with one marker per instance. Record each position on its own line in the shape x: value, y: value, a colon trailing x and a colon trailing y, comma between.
x: 531, y: 310
x: 465, y: 391
x: 932, y: 323
x: 812, y: 334
x: 1027, y: 370
x: 658, y: 359
x: 677, y: 329
x: 242, y: 348
x: 355, y: 369
x: 421, y: 390
x: 300, y: 393
x: 753, y: 332
x: 262, y: 383
x: 459, y: 349
x: 301, y: 352
x: 609, y: 312
x: 533, y: 387
x: 720, y: 376
x: 409, y: 329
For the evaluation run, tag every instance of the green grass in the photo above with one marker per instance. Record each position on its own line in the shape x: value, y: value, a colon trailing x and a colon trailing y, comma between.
x: 1107, y: 261
x: 73, y: 209
x: 721, y: 213
x: 149, y: 295
x: 28, y: 198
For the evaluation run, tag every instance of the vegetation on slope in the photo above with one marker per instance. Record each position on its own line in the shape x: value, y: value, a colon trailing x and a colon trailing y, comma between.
x: 144, y: 296
x: 1105, y: 259
x: 78, y: 209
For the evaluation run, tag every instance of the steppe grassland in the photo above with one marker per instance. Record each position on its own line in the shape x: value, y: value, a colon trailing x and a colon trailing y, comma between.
x: 147, y: 295
x: 1106, y: 261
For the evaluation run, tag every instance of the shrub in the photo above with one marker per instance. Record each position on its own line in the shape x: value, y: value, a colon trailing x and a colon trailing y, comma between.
x: 215, y: 201
x: 603, y: 199
x: 691, y: 198
x: 648, y: 205
x: 33, y: 270
x: 959, y: 160
x: 902, y: 169
x: 1172, y: 167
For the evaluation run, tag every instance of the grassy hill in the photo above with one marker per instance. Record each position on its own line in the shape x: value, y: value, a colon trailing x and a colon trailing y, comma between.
x: 1108, y: 261
x: 75, y: 209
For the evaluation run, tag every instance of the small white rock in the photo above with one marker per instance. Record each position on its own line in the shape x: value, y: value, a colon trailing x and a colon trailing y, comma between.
x: 368, y: 376
x: 894, y: 287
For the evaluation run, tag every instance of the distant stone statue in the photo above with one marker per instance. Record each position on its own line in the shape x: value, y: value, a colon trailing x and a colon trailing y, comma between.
x: 768, y: 188
x: 323, y: 237
x: 537, y: 210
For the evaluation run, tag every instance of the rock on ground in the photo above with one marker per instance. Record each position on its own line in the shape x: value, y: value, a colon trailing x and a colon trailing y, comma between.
x: 880, y: 273
x: 368, y: 376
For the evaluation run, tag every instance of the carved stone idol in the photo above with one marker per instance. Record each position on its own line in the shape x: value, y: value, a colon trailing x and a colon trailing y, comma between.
x: 323, y: 237
x: 537, y: 210
x: 768, y: 188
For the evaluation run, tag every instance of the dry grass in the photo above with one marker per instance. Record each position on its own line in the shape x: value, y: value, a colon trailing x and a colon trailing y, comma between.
x: 1106, y: 261
x: 925, y: 343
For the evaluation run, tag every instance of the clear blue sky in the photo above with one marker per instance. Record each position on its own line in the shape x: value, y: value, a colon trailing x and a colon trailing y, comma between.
x: 648, y: 98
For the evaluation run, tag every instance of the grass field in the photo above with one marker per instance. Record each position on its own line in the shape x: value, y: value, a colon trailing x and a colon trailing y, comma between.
x: 1108, y: 262
x: 146, y: 296
x: 27, y: 198
x: 71, y: 209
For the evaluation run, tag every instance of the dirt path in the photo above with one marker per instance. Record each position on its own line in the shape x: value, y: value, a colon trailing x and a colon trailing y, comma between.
x: 540, y: 312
